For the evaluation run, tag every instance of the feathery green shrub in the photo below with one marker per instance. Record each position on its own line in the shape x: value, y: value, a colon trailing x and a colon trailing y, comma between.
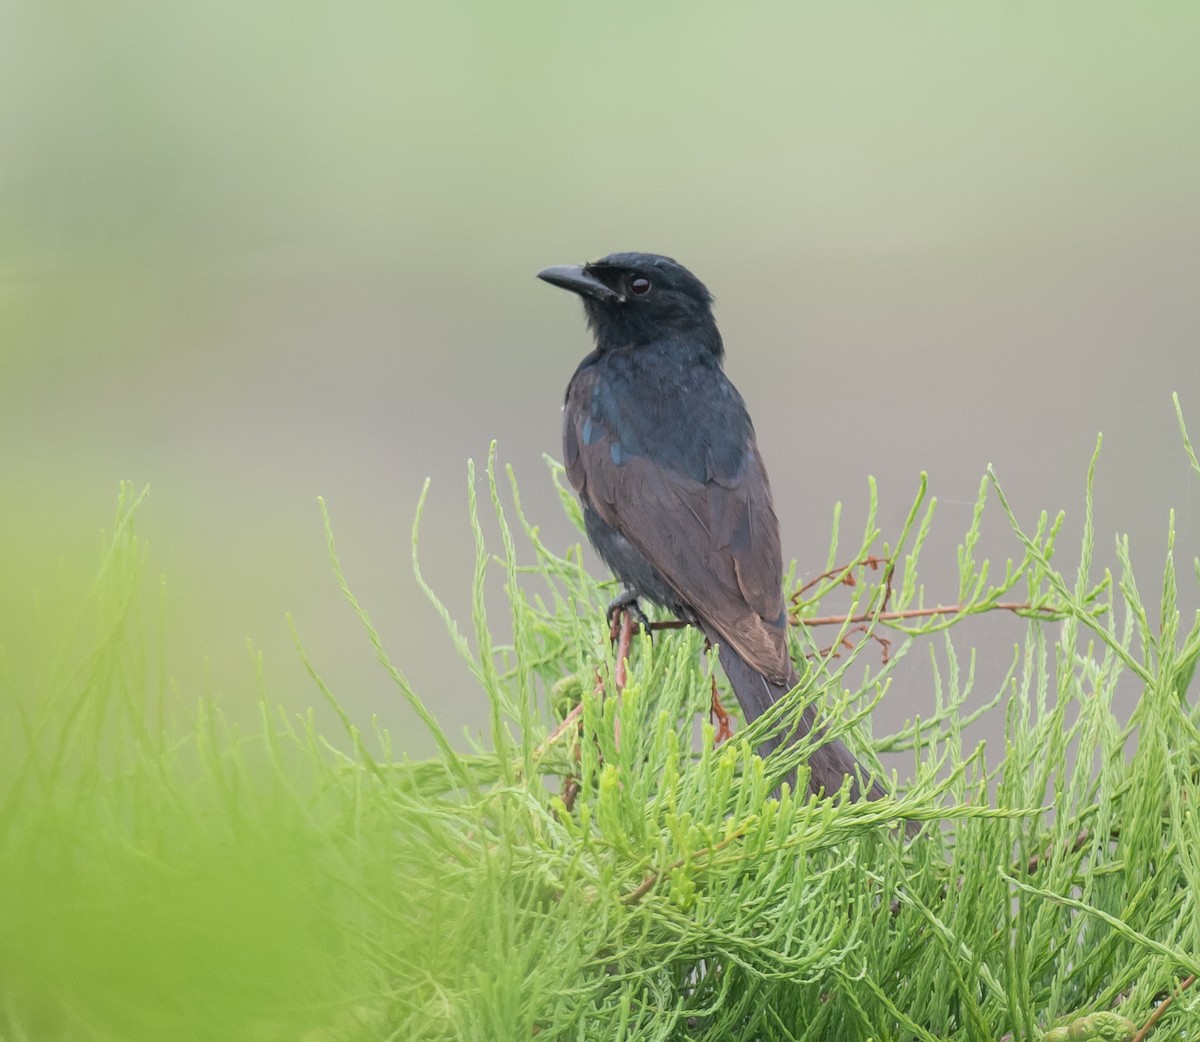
x: 592, y: 871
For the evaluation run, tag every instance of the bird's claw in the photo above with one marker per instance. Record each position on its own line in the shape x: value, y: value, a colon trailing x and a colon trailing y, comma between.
x: 627, y: 603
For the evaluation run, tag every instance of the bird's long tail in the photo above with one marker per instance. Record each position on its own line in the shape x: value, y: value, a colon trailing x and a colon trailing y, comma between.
x: 829, y: 763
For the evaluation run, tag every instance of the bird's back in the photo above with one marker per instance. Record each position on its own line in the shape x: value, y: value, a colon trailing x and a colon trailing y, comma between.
x: 658, y: 442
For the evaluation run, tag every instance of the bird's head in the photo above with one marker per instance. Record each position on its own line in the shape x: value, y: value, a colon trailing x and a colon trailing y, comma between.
x: 638, y: 299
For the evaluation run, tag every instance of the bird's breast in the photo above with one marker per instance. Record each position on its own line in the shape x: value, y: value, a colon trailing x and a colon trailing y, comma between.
x: 673, y: 407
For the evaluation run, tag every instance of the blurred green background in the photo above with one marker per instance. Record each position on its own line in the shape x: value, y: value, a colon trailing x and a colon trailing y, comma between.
x: 253, y: 253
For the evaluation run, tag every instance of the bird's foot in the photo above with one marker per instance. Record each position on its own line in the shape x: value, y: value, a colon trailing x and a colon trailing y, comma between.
x: 626, y: 604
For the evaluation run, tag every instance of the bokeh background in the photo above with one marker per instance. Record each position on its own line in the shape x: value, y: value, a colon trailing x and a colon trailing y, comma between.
x: 253, y: 253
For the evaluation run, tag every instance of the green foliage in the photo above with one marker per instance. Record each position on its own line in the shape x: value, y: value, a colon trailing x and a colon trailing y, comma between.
x: 1105, y: 1026
x: 591, y: 871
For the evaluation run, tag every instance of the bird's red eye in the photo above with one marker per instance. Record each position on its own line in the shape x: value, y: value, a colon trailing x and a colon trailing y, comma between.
x: 639, y: 286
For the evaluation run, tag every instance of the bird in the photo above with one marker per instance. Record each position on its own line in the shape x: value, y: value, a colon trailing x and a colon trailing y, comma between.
x: 661, y: 451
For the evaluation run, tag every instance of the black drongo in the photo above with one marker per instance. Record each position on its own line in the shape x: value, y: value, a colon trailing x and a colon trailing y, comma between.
x: 660, y: 448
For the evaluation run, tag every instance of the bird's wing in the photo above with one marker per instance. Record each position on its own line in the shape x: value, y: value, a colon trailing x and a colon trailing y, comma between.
x: 715, y: 541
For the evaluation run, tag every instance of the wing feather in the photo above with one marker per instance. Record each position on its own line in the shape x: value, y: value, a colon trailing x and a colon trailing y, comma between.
x: 725, y: 523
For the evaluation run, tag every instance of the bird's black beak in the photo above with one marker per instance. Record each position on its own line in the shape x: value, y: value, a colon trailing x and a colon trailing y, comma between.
x: 578, y: 280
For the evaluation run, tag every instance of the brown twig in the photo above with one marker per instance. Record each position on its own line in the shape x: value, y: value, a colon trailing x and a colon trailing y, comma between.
x: 570, y: 792
x: 830, y: 652
x: 919, y: 613
x: 644, y: 887
x: 1074, y: 847
x: 621, y: 631
x: 621, y: 677
x: 846, y: 573
x: 1154, y: 1018
x: 647, y: 884
x: 885, y: 646
x: 882, y: 614
x: 716, y: 710
x: 719, y: 716
x: 560, y: 730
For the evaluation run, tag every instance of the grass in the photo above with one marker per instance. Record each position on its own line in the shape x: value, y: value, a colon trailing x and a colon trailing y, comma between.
x: 164, y: 876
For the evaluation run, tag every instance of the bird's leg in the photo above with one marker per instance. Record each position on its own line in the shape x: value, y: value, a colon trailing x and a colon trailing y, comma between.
x: 625, y: 604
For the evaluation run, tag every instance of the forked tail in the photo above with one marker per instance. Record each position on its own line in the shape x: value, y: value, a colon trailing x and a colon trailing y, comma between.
x: 829, y: 763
